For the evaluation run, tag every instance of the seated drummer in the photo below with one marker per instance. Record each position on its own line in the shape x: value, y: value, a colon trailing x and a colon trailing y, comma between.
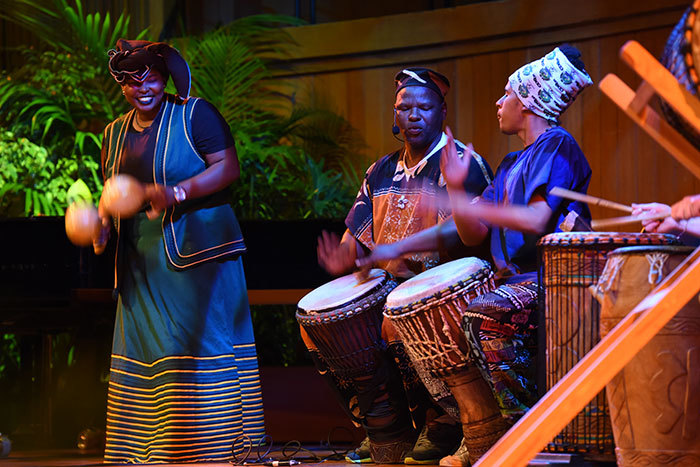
x: 396, y: 200
x: 516, y: 209
x: 683, y: 220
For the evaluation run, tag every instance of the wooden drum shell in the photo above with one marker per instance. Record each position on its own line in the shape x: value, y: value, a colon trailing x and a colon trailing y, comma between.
x: 655, y: 400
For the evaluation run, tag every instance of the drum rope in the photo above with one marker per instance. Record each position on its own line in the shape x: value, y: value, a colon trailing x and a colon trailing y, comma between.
x: 656, y: 266
x: 610, y: 273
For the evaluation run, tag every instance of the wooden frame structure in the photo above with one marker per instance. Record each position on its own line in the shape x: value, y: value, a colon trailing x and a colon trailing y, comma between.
x: 561, y: 404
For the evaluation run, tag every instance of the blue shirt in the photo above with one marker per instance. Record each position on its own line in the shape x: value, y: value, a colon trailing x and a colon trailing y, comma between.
x: 554, y: 159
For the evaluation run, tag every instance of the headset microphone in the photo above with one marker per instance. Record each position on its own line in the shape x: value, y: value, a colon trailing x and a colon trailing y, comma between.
x: 395, y: 129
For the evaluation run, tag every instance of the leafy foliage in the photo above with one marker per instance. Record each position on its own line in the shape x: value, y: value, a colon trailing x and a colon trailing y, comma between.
x: 277, y: 327
x: 293, y: 162
x: 57, y: 103
x: 32, y: 184
x: 292, y: 166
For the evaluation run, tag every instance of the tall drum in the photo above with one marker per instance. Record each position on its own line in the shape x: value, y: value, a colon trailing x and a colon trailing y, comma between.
x: 572, y: 262
x: 655, y: 400
x: 343, y: 321
x: 427, y: 312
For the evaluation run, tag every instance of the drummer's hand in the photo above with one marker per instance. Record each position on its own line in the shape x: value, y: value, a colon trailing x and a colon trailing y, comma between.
x: 686, y: 208
x: 334, y: 257
x: 381, y: 252
x: 455, y: 169
x: 666, y: 225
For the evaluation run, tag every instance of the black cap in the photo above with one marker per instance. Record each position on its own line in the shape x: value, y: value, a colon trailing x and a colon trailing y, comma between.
x: 425, y: 77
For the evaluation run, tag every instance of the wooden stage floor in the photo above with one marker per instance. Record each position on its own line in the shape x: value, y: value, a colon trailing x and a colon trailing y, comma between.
x: 75, y: 458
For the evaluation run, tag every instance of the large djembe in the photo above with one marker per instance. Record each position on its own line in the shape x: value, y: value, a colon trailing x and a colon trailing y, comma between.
x: 427, y: 312
x: 341, y: 321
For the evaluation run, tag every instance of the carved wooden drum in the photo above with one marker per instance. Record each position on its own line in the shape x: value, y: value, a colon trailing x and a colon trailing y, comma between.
x: 655, y: 400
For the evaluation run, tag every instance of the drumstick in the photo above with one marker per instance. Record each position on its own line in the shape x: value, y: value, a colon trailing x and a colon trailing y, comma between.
x: 568, y: 194
x: 615, y: 221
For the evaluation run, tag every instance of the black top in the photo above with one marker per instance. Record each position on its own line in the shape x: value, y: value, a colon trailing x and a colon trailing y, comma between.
x: 210, y: 133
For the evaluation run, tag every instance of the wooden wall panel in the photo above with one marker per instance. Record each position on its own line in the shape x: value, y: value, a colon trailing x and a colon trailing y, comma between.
x: 628, y: 166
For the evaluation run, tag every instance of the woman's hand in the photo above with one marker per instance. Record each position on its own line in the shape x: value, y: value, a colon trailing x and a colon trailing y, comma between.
x: 160, y: 197
x: 99, y: 243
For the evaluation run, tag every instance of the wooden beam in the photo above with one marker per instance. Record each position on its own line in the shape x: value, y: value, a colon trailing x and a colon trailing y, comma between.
x: 662, y: 81
x: 276, y: 296
x: 566, y: 399
x: 255, y: 296
x: 647, y: 118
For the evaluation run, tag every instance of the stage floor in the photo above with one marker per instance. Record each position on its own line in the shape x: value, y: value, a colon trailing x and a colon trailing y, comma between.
x: 75, y: 458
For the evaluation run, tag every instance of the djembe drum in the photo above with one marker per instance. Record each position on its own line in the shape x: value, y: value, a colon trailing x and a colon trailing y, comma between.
x: 342, y: 321
x: 427, y: 312
x: 655, y: 400
x: 681, y: 57
x: 572, y: 261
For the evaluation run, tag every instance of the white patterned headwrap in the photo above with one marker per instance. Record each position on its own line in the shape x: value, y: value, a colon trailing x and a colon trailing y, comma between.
x: 549, y: 85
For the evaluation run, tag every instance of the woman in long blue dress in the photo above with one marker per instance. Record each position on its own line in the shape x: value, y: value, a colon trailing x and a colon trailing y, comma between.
x: 184, y: 377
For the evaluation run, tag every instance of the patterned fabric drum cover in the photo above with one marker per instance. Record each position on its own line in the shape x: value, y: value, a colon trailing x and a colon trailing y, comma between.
x: 572, y: 261
x: 427, y: 311
x: 655, y: 400
x: 682, y: 58
x: 343, y: 318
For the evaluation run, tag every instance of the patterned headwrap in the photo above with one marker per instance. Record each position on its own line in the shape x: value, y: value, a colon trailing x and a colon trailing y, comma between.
x: 422, y: 77
x: 549, y: 85
x: 136, y: 59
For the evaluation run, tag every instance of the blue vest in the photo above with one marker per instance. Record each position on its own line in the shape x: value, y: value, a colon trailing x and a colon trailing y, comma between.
x: 198, y: 230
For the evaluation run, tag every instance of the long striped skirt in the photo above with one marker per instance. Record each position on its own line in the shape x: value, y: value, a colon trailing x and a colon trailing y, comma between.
x: 184, y: 380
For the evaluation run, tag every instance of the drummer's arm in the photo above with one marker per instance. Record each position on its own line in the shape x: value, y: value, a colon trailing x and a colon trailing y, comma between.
x: 439, y: 237
x: 472, y: 218
x: 692, y: 228
x: 687, y: 214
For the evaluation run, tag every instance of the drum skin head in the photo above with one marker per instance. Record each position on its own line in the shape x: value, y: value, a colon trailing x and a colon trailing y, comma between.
x: 340, y: 291
x: 434, y: 280
x: 607, y: 238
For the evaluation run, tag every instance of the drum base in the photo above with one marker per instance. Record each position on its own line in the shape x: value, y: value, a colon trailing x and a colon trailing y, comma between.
x: 482, y: 422
x: 480, y: 436
x: 391, y: 452
x: 656, y: 458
